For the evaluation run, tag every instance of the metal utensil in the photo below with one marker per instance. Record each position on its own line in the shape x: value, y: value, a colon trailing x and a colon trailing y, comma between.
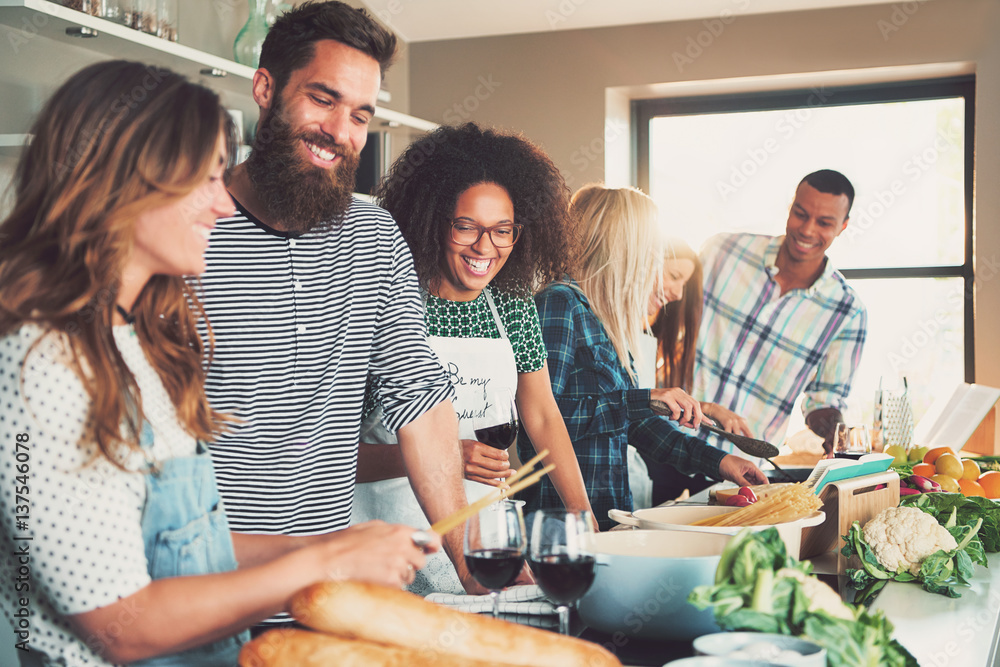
x: 751, y: 446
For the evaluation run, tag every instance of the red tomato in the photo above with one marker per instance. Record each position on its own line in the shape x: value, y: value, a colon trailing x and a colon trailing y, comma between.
x: 748, y: 493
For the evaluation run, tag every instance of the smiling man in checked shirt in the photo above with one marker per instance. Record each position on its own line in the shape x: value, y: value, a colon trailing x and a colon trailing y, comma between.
x: 780, y: 321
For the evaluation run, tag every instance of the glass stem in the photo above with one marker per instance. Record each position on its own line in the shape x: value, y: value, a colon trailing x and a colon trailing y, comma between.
x: 495, y: 596
x: 563, y: 619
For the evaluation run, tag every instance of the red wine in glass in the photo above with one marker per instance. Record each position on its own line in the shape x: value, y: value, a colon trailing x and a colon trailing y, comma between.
x: 564, y: 579
x: 500, y: 436
x: 562, y: 557
x: 497, y: 425
x: 494, y: 568
x: 494, y: 547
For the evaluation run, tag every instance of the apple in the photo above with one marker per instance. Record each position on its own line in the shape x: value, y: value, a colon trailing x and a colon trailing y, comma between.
x: 898, y: 454
x: 917, y: 454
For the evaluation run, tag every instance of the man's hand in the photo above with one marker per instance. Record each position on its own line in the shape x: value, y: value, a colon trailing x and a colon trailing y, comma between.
x: 485, y: 464
x: 727, y: 419
x: 823, y: 422
x: 741, y: 471
x: 684, y: 409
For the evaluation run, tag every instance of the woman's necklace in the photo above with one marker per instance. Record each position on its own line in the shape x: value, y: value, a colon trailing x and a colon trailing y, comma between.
x: 127, y: 316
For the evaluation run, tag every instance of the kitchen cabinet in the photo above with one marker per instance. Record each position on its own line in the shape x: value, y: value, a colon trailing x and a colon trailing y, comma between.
x: 59, y: 29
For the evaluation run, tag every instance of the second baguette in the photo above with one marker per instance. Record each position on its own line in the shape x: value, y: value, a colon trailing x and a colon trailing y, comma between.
x: 397, y: 618
x: 287, y: 647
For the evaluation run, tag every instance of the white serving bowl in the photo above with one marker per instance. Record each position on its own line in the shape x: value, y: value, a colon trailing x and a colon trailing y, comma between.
x: 679, y: 518
x: 722, y: 644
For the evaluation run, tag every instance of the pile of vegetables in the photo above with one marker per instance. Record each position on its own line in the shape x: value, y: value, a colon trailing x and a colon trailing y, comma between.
x: 908, y: 544
x: 931, y: 538
x: 759, y: 587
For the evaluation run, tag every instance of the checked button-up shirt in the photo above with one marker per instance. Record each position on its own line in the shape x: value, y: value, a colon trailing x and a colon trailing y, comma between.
x: 758, y: 349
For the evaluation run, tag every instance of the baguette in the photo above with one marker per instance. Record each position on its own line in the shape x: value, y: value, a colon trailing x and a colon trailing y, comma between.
x: 287, y: 647
x: 392, y: 617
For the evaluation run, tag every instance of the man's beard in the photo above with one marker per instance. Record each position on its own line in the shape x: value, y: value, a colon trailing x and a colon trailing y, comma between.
x: 299, y: 195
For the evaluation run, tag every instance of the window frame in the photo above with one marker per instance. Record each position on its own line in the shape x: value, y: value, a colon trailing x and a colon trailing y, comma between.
x: 643, y: 111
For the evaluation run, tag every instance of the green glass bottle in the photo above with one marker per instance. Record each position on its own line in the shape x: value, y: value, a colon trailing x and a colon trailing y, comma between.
x: 250, y: 39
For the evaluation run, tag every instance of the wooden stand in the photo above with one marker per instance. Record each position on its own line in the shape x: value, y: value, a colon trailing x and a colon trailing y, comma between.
x: 844, y: 502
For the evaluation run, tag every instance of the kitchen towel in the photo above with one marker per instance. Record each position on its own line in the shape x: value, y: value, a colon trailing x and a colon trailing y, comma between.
x: 527, y: 599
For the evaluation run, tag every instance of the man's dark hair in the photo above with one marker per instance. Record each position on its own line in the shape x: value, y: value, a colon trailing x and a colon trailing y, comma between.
x: 831, y: 182
x: 290, y: 43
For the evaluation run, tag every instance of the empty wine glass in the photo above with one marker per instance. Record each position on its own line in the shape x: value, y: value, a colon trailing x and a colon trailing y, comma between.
x: 496, y: 425
x: 494, y: 547
x: 561, y: 555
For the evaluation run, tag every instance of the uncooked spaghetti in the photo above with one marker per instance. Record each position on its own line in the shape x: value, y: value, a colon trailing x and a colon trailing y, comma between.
x: 789, y: 504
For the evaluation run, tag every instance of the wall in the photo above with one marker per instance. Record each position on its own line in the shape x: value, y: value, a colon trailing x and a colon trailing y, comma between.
x: 554, y: 87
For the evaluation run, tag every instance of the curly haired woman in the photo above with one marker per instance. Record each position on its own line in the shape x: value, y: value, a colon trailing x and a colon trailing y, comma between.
x: 486, y: 217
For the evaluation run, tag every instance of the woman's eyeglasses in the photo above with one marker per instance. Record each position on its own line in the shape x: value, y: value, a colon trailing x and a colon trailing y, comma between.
x: 469, y: 233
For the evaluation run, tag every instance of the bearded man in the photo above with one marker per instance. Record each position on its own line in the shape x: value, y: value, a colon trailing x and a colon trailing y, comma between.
x: 308, y: 291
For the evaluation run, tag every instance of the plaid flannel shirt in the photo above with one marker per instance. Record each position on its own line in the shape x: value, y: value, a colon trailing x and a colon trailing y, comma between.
x: 603, y: 409
x: 759, y: 349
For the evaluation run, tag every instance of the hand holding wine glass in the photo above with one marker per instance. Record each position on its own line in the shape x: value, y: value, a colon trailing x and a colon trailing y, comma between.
x: 561, y: 556
x: 494, y: 547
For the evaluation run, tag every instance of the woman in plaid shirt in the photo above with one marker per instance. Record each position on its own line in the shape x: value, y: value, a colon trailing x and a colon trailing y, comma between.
x: 592, y: 321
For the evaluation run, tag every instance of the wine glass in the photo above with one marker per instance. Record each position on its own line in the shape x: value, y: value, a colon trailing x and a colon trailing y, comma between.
x: 851, y: 441
x: 494, y: 547
x: 496, y: 424
x: 561, y: 555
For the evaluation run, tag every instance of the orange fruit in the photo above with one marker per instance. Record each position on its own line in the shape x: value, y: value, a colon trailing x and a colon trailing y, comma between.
x: 990, y: 481
x: 948, y: 483
x: 971, y: 469
x: 932, y: 455
x: 951, y: 465
x: 971, y: 488
x: 924, y: 470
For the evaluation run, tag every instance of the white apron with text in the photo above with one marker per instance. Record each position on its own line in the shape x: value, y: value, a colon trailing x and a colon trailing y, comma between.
x: 476, y: 367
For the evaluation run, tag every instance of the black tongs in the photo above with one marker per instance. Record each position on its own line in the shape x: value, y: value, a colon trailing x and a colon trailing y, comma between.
x: 751, y: 446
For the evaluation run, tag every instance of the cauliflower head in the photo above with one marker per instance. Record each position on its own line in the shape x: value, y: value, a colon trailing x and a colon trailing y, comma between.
x: 902, y: 537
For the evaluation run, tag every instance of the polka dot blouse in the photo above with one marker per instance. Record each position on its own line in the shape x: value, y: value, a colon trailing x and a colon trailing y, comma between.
x: 80, y: 532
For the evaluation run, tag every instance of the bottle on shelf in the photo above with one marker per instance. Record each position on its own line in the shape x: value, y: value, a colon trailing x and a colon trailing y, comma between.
x: 250, y: 39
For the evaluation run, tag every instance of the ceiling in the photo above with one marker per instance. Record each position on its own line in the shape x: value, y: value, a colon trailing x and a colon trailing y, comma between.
x: 430, y: 20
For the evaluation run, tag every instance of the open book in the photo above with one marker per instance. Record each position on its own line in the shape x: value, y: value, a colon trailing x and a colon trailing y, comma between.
x: 954, y: 423
x: 834, y: 470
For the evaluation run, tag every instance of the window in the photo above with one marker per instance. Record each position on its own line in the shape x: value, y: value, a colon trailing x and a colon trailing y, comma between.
x: 731, y: 163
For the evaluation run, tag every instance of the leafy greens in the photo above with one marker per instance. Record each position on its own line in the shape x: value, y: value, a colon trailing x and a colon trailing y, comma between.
x: 942, y: 572
x: 759, y: 587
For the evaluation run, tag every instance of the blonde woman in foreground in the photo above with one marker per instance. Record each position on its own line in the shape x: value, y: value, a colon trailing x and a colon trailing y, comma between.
x: 116, y: 544
x: 592, y: 321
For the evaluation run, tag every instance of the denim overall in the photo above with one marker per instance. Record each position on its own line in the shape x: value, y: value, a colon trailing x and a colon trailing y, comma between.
x: 186, y: 532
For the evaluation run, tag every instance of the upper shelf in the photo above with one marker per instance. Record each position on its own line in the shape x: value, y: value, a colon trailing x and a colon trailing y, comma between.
x: 31, y: 18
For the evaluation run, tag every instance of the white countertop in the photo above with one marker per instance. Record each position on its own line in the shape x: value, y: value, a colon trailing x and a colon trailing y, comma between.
x: 952, y: 632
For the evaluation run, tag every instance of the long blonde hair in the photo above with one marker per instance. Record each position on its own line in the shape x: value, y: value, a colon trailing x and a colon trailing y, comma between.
x: 620, y: 262
x: 116, y: 139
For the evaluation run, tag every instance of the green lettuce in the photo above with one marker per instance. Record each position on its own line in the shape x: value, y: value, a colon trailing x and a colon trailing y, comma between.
x: 757, y: 588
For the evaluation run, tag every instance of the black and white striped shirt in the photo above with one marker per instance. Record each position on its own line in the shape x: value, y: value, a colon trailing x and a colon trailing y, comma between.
x: 299, y: 323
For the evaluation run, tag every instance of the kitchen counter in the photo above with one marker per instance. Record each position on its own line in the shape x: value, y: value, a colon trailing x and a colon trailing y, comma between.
x: 954, y: 632
x: 938, y: 631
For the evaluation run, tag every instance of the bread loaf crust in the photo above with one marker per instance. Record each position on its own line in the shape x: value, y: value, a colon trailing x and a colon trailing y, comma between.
x: 287, y: 647
x: 397, y: 618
